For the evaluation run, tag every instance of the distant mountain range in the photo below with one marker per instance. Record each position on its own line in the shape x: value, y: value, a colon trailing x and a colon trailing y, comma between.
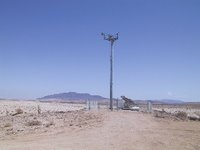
x: 162, y: 101
x: 172, y: 101
x: 73, y: 96
x: 86, y: 96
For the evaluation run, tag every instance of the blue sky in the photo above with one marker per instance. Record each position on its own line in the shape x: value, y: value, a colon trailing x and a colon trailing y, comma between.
x: 53, y: 46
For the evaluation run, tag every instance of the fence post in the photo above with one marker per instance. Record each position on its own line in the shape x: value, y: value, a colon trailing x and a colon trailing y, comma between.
x: 117, y: 104
x: 149, y: 106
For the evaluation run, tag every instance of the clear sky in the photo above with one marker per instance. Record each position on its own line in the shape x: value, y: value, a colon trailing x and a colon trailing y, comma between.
x: 54, y: 46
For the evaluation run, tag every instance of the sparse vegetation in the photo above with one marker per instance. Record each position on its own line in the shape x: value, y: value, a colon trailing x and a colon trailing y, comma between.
x: 49, y: 124
x: 7, y: 125
x: 194, y: 117
x: 18, y: 111
x: 181, y: 115
x: 161, y: 114
x: 34, y: 123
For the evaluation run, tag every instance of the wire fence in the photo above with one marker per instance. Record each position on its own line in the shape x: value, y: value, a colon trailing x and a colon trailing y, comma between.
x: 117, y: 105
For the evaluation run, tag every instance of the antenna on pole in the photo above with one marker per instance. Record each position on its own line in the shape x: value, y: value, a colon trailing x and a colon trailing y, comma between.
x: 111, y: 39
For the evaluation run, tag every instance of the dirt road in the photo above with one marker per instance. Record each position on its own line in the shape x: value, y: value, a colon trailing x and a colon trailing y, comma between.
x: 123, y: 130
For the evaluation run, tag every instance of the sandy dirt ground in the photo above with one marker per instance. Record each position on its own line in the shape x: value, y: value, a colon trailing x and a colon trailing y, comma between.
x: 9, y: 106
x: 95, y: 130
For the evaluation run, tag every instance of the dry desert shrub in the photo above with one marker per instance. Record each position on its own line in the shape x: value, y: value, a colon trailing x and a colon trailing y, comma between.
x: 181, y: 115
x: 33, y: 123
x: 7, y: 125
x: 18, y: 111
x: 161, y: 114
x: 61, y: 112
x: 157, y: 115
x: 194, y: 117
x: 49, y: 124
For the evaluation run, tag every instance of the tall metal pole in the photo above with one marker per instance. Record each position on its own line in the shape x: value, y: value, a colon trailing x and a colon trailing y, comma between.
x: 111, y: 76
x: 111, y: 39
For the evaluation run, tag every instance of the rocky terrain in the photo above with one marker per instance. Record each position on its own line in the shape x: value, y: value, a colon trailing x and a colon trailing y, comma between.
x: 30, y: 125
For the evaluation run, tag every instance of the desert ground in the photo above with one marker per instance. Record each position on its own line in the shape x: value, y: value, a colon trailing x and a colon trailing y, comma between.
x: 33, y: 125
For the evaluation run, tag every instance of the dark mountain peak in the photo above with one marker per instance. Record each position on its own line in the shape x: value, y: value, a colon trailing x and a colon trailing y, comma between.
x: 73, y: 96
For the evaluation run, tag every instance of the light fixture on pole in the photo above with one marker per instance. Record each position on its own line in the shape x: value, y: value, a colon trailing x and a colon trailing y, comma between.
x: 111, y: 39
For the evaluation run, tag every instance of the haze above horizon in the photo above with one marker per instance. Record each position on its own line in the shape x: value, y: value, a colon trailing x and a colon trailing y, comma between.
x: 50, y: 46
